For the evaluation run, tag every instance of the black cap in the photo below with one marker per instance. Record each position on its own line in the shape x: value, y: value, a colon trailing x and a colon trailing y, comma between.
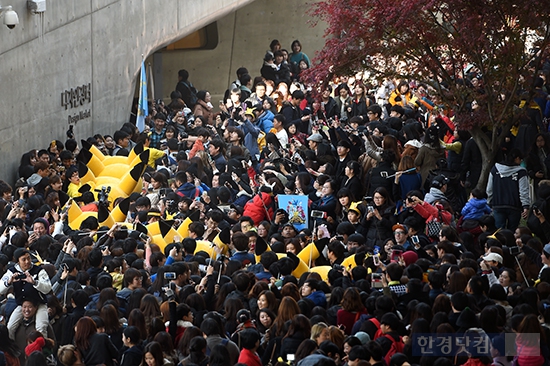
x: 439, y: 181
x: 344, y: 143
x: 19, y: 252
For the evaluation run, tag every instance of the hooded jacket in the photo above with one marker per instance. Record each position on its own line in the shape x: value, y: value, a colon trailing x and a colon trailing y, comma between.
x: 259, y: 208
x: 434, y: 195
x: 265, y: 121
x: 318, y: 297
x: 508, y: 187
x: 475, y: 208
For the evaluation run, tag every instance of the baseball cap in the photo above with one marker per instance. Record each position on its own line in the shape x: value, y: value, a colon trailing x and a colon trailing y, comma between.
x: 400, y: 226
x: 237, y: 208
x: 493, y: 257
x: 316, y: 137
x: 439, y: 181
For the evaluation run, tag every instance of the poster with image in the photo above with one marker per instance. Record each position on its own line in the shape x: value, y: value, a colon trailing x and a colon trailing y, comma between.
x: 297, y: 209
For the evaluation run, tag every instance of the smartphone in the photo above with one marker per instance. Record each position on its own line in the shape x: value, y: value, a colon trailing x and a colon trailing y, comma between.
x: 384, y: 174
x: 170, y: 275
x: 395, y: 254
x: 376, y: 279
x: 376, y: 259
x: 415, y: 240
x: 317, y: 214
x: 370, y: 209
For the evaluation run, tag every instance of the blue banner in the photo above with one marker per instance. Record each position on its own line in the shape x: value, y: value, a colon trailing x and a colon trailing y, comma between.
x: 143, y: 109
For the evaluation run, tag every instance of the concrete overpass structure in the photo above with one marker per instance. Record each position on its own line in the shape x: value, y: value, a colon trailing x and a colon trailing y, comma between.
x: 78, y: 61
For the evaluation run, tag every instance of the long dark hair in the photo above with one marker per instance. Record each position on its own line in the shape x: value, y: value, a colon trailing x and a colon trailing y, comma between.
x: 384, y: 193
x: 7, y: 345
x: 155, y: 349
x: 197, y: 349
x: 85, y: 328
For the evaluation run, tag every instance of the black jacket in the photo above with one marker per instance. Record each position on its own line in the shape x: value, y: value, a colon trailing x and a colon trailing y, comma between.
x: 293, y: 115
x: 101, y: 351
x: 132, y: 356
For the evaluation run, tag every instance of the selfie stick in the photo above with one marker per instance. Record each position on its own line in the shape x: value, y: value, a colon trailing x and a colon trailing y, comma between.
x: 404, y: 171
x: 522, y: 273
x: 314, y: 235
x: 220, y: 272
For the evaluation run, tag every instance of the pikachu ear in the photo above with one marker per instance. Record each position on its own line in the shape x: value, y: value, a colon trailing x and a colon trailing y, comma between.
x: 183, y: 230
x: 322, y: 271
x: 129, y: 181
x: 153, y: 228
x: 104, y: 217
x: 261, y: 247
x: 85, y: 174
x: 138, y: 226
x: 138, y: 149
x: 120, y: 212
x: 299, y: 266
x: 91, y: 161
x: 313, y: 250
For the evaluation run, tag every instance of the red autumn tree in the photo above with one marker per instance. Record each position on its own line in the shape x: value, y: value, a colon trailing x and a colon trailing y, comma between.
x: 432, y: 41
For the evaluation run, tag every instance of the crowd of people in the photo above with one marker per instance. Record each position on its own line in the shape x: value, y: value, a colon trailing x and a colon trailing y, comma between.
x: 413, y: 250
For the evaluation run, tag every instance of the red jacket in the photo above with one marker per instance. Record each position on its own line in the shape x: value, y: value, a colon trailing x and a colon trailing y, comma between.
x: 347, y: 319
x: 249, y: 358
x: 429, y: 212
x: 257, y: 210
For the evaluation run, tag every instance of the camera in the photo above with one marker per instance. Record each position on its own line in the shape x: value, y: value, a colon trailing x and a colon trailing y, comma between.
x: 338, y: 267
x: 103, y: 195
x: 376, y: 279
x: 317, y: 214
x: 170, y: 275
x: 395, y: 254
x: 11, y: 19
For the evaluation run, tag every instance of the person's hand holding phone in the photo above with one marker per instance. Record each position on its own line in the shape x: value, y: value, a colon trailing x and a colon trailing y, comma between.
x: 65, y: 272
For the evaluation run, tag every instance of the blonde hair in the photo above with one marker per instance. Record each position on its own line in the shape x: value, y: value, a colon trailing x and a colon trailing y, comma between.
x: 317, y: 329
x: 67, y: 355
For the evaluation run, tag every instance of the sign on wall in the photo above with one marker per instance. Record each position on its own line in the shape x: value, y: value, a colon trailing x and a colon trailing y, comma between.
x: 77, y: 97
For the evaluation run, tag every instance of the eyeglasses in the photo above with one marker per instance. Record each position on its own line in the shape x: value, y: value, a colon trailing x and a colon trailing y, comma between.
x: 399, y: 232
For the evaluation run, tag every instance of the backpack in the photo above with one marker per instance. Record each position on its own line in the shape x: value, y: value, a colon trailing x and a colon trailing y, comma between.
x: 224, y: 343
x: 396, y: 347
x: 378, y: 333
x: 193, y: 99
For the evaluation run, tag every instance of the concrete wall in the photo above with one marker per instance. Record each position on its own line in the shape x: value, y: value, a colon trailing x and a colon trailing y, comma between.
x: 244, y: 37
x: 76, y: 43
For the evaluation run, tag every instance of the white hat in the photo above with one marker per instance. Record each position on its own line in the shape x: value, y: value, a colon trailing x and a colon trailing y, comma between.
x: 414, y: 143
x: 493, y: 257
